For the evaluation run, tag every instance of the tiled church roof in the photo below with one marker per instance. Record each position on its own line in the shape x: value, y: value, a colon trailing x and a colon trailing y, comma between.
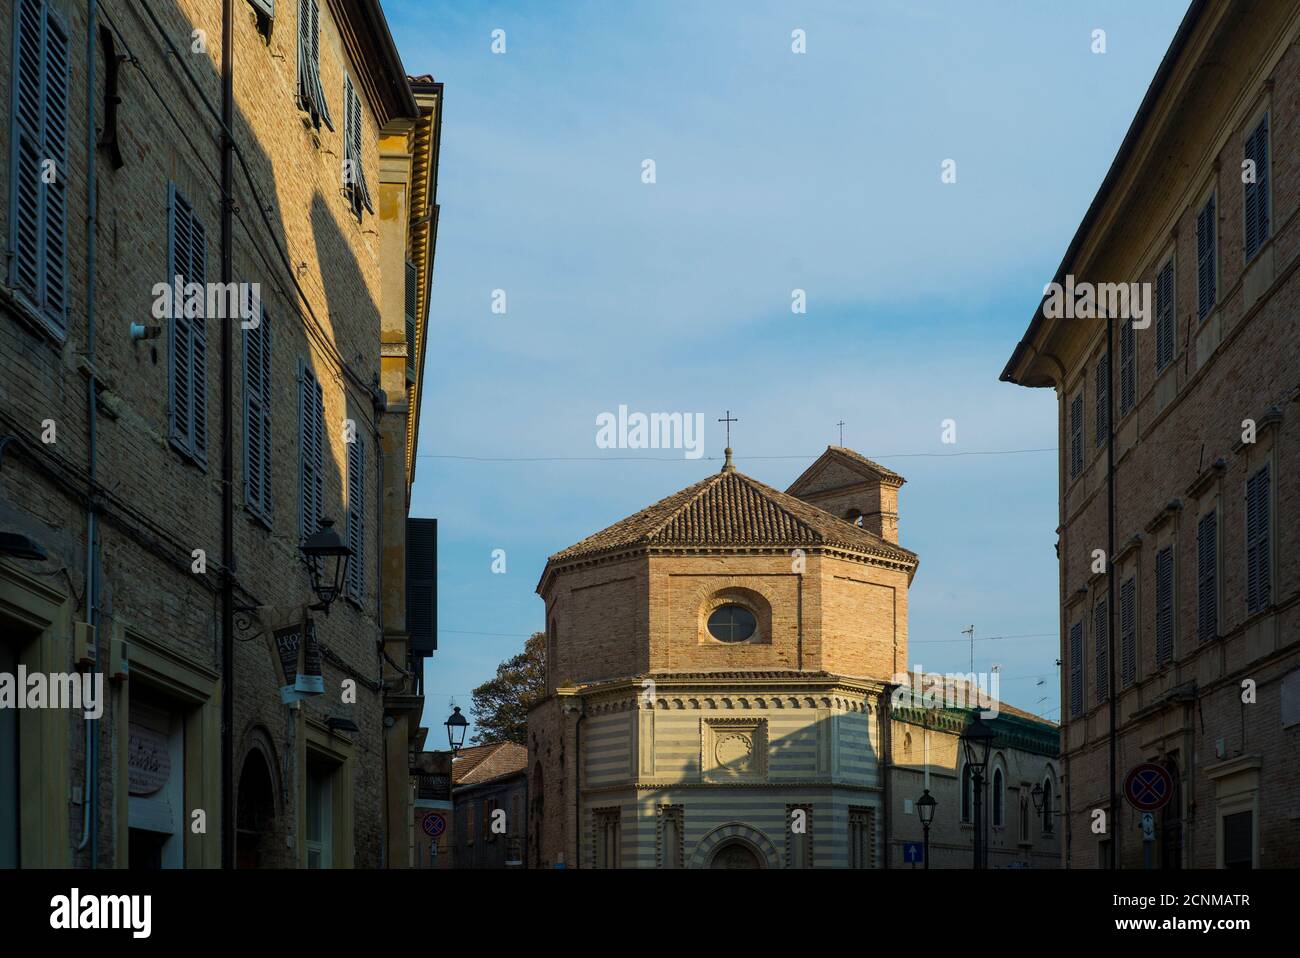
x: 731, y: 509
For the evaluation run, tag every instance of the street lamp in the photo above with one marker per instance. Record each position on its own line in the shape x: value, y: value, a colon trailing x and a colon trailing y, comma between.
x: 321, y: 546
x: 1036, y: 793
x: 456, y: 725
x: 977, y: 741
x: 925, y: 812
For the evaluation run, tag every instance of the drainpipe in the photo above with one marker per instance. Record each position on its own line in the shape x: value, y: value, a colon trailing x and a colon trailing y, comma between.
x: 227, y: 447
x: 90, y: 792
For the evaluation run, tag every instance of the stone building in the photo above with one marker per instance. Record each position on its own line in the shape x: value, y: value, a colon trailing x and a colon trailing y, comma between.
x: 1190, y: 633
x: 489, y: 799
x: 719, y: 676
x: 111, y: 425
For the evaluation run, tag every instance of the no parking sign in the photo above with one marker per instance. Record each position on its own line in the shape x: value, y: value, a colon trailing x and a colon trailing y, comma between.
x: 1148, y: 787
x: 433, y: 824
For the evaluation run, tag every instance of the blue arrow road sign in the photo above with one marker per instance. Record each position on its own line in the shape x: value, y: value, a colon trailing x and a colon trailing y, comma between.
x: 912, y: 853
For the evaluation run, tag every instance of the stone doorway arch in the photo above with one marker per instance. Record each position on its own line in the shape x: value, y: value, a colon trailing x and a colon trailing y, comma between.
x: 255, y: 808
x: 726, y: 845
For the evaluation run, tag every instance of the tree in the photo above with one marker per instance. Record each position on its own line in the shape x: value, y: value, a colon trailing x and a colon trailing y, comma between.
x: 501, y: 703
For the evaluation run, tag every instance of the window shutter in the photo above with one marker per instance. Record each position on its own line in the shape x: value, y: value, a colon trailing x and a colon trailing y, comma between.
x: 1206, y: 281
x: 412, y: 279
x: 1103, y: 401
x: 1164, y: 605
x: 1207, y: 579
x: 55, y: 136
x: 1258, y: 573
x: 422, y: 585
x: 354, y: 173
x: 1255, y: 198
x: 1127, y: 367
x: 1076, y: 436
x: 197, y: 273
x: 311, y: 428
x: 180, y: 359
x: 1076, y: 669
x: 38, y: 226
x: 1101, y: 629
x: 257, y: 416
x: 1165, y: 315
x: 311, y: 95
x: 1128, y: 632
x: 357, y: 518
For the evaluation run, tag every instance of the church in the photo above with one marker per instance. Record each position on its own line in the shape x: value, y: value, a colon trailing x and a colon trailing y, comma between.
x: 719, y: 670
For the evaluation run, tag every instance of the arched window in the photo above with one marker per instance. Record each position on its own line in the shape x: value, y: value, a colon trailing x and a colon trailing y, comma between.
x: 966, y: 793
x: 999, y: 803
x: 1047, y: 806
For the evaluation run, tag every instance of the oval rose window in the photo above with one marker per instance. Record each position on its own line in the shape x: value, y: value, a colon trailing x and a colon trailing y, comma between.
x: 732, y: 623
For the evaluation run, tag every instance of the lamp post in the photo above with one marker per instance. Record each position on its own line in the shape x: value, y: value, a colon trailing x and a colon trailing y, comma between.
x: 977, y: 741
x: 456, y: 726
x: 925, y: 812
x: 321, y: 546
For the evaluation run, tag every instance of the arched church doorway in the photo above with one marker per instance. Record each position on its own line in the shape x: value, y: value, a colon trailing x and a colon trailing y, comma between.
x: 254, y: 813
x: 735, y: 854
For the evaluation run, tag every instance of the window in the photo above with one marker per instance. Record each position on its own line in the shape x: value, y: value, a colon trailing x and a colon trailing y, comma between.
x: 412, y: 282
x: 1164, y: 606
x: 1103, y: 402
x: 265, y: 12
x: 1255, y: 194
x: 257, y: 416
x: 1238, y: 840
x: 798, y: 836
x: 1165, y: 332
x: 1049, y: 814
x: 311, y: 444
x: 1101, y: 634
x: 1206, y: 256
x: 1024, y: 812
x: 39, y: 187
x: 354, y: 171
x: 187, y: 361
x: 311, y: 95
x: 862, y: 838
x: 1207, y: 577
x: 1076, y: 436
x: 670, y: 837
x: 1076, y: 670
x: 320, y: 824
x: 1128, y: 632
x: 999, y: 799
x: 732, y: 623
x: 1258, y: 572
x: 1127, y: 367
x: 966, y: 797
x: 356, y: 584
x: 608, y: 837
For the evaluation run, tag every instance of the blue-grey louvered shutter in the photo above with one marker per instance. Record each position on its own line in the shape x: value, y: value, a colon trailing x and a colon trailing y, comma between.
x: 357, y: 518
x: 1127, y: 367
x: 422, y: 585
x: 198, y: 329
x: 257, y: 415
x: 1206, y: 280
x: 1255, y: 195
x: 1258, y: 573
x: 1164, y: 605
x: 1101, y: 629
x: 26, y: 235
x: 1103, y: 401
x: 311, y: 451
x: 54, y: 138
x: 1076, y: 669
x: 1165, y: 333
x: 179, y: 352
x: 1076, y: 436
x: 1207, y: 577
x: 1128, y: 632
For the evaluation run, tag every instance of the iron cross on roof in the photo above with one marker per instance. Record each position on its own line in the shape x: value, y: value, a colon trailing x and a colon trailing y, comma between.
x: 728, y: 420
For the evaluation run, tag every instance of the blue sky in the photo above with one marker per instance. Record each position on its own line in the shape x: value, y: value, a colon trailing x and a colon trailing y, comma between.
x: 774, y: 171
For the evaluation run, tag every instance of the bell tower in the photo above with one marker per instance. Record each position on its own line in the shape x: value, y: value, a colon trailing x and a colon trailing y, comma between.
x: 853, y: 488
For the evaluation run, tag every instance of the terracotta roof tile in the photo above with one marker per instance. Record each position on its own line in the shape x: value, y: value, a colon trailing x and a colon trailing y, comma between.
x: 482, y: 763
x: 730, y: 508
